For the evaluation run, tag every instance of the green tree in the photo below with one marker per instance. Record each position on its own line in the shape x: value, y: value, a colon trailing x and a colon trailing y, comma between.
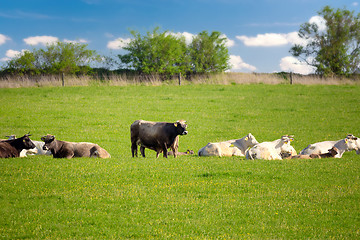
x: 209, y: 53
x: 166, y: 53
x: 24, y: 63
x: 156, y: 53
x: 335, y: 50
x: 61, y: 57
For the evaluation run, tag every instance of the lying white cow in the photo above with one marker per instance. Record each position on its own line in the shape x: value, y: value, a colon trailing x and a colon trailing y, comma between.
x: 39, y: 147
x: 272, y: 150
x: 347, y: 144
x: 235, y: 147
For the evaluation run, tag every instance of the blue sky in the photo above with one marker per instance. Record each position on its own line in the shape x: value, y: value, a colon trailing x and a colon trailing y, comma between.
x: 260, y: 33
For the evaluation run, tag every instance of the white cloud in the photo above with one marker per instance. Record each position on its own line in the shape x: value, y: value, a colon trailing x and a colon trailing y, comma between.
x: 229, y: 42
x: 3, y: 39
x: 188, y: 36
x: 264, y: 40
x: 118, y: 43
x: 355, y: 4
x: 81, y: 40
x: 44, y: 40
x: 291, y: 64
x: 293, y: 38
x: 280, y: 39
x: 11, y: 54
x: 319, y: 21
x: 271, y: 39
x: 238, y: 64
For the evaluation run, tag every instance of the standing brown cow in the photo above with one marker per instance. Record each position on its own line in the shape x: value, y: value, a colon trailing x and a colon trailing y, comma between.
x: 157, y: 136
x: 64, y: 149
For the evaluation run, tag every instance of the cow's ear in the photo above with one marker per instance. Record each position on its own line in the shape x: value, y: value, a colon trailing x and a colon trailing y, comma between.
x: 346, y: 140
x: 43, y: 139
x: 176, y: 124
x: 247, y: 138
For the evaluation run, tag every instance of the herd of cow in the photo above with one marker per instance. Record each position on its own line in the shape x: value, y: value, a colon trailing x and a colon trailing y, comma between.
x: 161, y: 136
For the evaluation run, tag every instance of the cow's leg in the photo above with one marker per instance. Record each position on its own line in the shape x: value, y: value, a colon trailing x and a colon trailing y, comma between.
x: 69, y: 155
x: 142, y: 150
x: 134, y: 149
x: 175, y: 151
x: 164, y: 150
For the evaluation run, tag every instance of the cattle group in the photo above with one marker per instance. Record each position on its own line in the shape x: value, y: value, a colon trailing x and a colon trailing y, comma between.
x: 161, y: 136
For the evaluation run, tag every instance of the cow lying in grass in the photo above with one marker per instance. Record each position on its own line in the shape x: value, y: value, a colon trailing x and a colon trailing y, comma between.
x: 332, y: 152
x: 236, y: 147
x: 271, y: 150
x: 64, y: 149
x: 347, y: 144
x: 12, y: 148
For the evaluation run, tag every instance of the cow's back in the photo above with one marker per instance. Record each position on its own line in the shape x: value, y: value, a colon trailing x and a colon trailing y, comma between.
x: 221, y: 149
x: 153, y: 134
x: 86, y: 149
x: 318, y: 148
x: 264, y: 151
x: 211, y: 149
x: 82, y: 149
x: 7, y: 151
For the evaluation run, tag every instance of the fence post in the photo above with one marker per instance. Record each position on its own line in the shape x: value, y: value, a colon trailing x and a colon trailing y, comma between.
x: 62, y: 80
x: 179, y: 79
x: 291, y: 78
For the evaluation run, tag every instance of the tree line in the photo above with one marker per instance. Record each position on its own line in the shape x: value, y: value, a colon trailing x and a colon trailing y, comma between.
x: 334, y: 50
x: 161, y: 53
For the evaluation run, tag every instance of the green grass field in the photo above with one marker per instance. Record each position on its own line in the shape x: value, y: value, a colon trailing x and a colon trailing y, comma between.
x: 189, y: 197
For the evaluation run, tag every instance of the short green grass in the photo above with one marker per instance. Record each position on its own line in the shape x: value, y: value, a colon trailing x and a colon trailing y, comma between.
x: 187, y: 197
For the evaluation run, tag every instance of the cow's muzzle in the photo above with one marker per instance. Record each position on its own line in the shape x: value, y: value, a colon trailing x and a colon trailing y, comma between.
x: 45, y: 148
x: 185, y: 133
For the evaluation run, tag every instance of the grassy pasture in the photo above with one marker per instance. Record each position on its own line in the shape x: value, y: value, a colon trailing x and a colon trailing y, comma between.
x: 187, y: 197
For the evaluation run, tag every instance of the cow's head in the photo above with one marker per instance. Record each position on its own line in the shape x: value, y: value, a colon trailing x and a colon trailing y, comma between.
x: 26, y: 143
x: 287, y: 139
x: 49, y: 141
x: 352, y: 143
x: 181, y: 127
x: 285, y: 148
x: 251, y: 140
x: 355, y: 143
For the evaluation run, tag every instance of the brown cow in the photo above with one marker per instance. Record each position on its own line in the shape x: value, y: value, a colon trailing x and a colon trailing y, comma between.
x: 12, y: 148
x: 64, y: 149
x: 330, y: 154
x: 158, y: 136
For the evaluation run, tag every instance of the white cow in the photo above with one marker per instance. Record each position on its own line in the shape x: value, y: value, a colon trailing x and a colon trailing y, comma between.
x: 39, y: 147
x: 235, y: 147
x: 272, y: 150
x: 347, y: 144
